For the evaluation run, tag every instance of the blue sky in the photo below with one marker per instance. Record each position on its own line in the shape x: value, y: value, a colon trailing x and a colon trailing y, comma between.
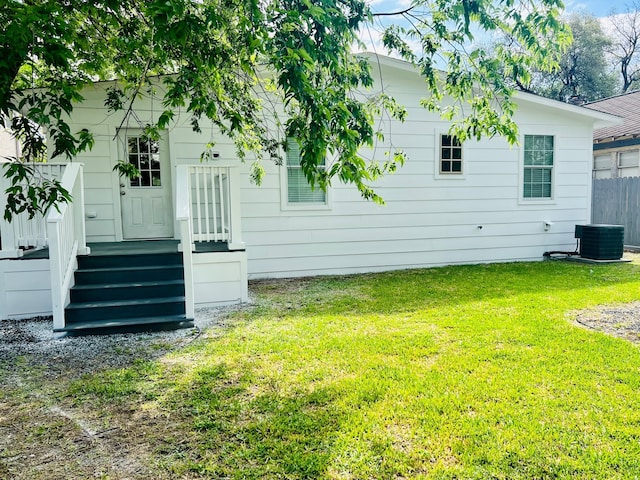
x: 599, y: 8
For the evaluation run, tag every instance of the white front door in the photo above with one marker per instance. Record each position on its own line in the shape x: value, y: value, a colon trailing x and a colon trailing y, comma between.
x: 146, y: 201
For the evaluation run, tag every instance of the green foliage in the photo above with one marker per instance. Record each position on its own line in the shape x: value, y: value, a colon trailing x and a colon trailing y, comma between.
x: 478, y: 79
x: 213, y: 55
x: 583, y: 73
x: 126, y: 169
x: 29, y: 193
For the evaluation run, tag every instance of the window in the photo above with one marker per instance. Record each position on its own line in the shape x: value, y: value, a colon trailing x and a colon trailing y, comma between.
x: 602, y: 162
x: 450, y: 155
x: 538, y: 166
x: 628, y: 159
x: 144, y: 154
x: 298, y: 188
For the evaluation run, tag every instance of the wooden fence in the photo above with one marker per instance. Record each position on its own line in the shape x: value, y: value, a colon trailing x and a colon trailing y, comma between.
x: 616, y: 201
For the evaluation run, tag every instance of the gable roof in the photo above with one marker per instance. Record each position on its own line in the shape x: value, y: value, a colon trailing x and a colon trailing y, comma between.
x: 626, y: 106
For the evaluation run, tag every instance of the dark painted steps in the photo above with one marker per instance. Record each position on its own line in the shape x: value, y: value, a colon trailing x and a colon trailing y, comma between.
x: 126, y: 293
x: 125, y: 325
x: 138, y: 307
x: 129, y: 274
x: 121, y: 260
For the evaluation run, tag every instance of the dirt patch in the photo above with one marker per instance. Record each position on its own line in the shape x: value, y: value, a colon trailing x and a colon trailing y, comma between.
x: 45, y: 435
x: 621, y: 320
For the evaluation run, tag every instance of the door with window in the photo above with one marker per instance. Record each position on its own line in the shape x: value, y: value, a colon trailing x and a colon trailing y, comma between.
x: 146, y: 201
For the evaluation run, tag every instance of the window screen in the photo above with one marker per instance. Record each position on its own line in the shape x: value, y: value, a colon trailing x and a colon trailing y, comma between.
x: 602, y: 162
x: 538, y: 166
x: 298, y: 188
x: 628, y: 159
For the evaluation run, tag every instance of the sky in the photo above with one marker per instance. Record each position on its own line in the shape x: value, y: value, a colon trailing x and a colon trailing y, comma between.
x: 599, y: 8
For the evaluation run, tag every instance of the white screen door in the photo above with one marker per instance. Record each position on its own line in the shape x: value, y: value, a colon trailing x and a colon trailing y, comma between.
x: 146, y: 201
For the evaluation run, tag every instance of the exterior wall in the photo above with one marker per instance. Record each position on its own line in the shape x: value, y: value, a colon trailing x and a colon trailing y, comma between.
x: 102, y: 202
x: 25, y: 288
x: 428, y: 219
x: 8, y: 145
x: 616, y: 167
x: 220, y: 275
x: 102, y: 197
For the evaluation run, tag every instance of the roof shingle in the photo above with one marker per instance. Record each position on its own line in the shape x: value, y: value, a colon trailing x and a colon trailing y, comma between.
x: 626, y: 106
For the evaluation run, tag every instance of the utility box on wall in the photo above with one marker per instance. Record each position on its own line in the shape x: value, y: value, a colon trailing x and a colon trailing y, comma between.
x: 601, y: 242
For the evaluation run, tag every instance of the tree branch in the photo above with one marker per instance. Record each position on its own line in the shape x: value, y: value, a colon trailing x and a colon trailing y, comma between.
x: 393, y: 14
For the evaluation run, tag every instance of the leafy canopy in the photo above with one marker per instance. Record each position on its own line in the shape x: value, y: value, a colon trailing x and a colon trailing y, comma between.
x: 213, y: 53
x: 583, y: 72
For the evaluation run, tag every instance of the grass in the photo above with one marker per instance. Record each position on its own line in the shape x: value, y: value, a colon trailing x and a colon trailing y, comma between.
x: 472, y: 372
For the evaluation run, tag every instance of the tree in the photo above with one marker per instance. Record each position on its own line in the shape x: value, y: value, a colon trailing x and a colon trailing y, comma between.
x: 211, y: 53
x: 583, y: 71
x: 625, y: 49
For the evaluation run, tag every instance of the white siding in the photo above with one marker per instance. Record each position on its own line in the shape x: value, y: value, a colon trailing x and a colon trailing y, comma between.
x: 8, y: 145
x: 428, y: 219
x: 25, y: 288
x: 221, y: 276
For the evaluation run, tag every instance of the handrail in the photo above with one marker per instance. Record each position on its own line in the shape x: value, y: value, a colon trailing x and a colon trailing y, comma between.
x: 214, y: 203
x: 207, y: 209
x: 24, y: 232
x: 183, y: 216
x: 66, y: 234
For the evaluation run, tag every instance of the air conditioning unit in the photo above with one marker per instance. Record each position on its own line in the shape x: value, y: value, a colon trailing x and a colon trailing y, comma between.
x: 601, y: 242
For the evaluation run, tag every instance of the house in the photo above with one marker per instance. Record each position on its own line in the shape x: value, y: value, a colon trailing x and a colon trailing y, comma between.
x: 616, y: 166
x: 616, y: 148
x: 476, y: 202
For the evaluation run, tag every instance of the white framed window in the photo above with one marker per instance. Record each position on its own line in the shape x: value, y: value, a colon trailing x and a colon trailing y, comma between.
x: 538, y: 163
x: 628, y: 159
x: 297, y: 193
x: 450, y: 155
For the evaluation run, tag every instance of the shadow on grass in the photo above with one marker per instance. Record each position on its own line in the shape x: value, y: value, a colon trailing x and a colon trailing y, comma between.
x: 237, y: 434
x: 221, y: 426
x: 249, y: 404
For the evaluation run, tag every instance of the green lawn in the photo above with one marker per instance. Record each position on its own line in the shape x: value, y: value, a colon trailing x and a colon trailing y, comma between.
x: 473, y: 372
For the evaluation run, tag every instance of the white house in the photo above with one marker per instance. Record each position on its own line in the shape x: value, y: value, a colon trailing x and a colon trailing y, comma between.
x: 450, y: 204
x: 9, y: 147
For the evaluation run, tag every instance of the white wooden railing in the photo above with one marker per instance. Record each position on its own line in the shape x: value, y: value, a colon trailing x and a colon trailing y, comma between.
x: 207, y: 210
x: 66, y: 234
x: 24, y: 232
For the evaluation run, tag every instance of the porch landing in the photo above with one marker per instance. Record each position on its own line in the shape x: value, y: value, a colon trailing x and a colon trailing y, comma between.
x: 135, y: 247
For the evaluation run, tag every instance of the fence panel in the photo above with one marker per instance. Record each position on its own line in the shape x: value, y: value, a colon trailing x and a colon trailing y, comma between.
x: 616, y: 201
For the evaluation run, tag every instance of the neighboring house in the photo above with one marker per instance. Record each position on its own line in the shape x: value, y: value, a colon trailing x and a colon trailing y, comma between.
x: 451, y: 203
x: 616, y: 148
x: 616, y: 166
